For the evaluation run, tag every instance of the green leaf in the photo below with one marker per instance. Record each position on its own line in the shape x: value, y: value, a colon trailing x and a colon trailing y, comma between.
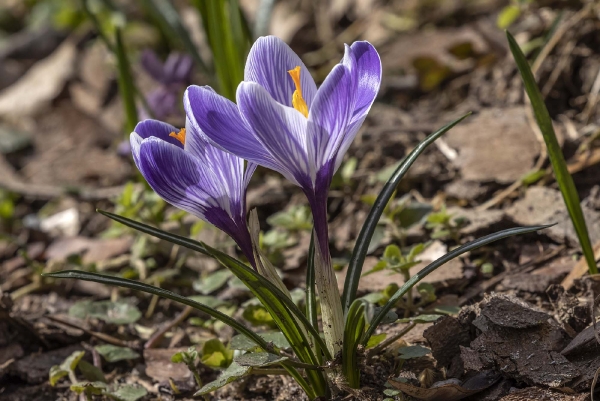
x: 413, y: 351
x: 257, y: 315
x: 89, y: 388
x: 91, y: 372
x: 113, y: 353
x: 229, y: 40
x: 210, y: 301
x: 127, y: 392
x: 69, y: 364
x: 56, y: 373
x: 563, y: 177
x: 508, y: 15
x: 366, y: 233
x: 111, y: 312
x: 138, y: 286
x: 259, y: 359
x: 439, y: 262
x: 243, y: 343
x: 353, y: 332
x: 311, y: 295
x: 382, y: 264
x: 283, y: 310
x: 392, y: 254
x: 126, y: 83
x: 413, y: 213
x: 276, y: 302
x: 212, y: 282
x: 232, y: 373
x: 375, y: 340
x: 215, y: 354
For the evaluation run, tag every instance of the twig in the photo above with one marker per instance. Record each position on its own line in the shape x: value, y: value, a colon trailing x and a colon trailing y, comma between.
x: 390, y: 340
x: 156, y: 337
x: 101, y: 336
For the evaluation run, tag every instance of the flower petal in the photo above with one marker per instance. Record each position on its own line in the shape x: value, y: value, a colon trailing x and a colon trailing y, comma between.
x: 148, y: 128
x: 328, y: 119
x: 219, y: 120
x: 368, y: 79
x: 179, y: 177
x: 184, y: 181
x: 268, y: 63
x: 153, y: 65
x: 281, y: 130
x: 368, y: 65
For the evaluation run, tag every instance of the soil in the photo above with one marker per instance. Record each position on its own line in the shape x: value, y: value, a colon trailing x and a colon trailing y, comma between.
x: 517, y: 319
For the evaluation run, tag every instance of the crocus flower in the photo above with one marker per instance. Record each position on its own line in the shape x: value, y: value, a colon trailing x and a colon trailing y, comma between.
x: 184, y: 169
x: 283, y: 122
x: 173, y: 76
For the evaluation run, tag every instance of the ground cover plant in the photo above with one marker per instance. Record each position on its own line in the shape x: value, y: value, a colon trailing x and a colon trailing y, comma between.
x: 401, y: 309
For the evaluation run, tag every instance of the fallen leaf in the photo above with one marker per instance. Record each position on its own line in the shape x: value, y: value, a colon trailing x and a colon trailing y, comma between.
x: 41, y: 84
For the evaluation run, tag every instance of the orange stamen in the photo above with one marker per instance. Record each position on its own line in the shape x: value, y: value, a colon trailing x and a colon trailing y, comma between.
x: 297, y: 99
x: 180, y: 136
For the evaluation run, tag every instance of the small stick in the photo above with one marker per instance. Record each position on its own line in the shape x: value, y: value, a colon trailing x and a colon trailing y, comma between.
x: 156, y: 337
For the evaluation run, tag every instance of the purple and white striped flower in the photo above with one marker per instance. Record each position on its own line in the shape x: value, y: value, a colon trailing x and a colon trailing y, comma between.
x: 283, y: 122
x: 184, y: 169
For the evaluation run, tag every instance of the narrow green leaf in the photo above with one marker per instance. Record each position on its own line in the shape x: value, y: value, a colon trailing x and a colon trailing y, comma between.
x: 227, y: 37
x: 259, y: 359
x: 240, y: 342
x: 232, y: 373
x: 377, y: 319
x: 138, y: 286
x: 366, y: 233
x: 281, y: 308
x: 353, y: 331
x: 126, y: 85
x: 563, y: 177
x: 311, y: 295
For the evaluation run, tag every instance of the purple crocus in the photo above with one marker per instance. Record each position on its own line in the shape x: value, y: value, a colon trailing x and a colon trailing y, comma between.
x: 173, y: 76
x: 283, y: 122
x: 184, y: 169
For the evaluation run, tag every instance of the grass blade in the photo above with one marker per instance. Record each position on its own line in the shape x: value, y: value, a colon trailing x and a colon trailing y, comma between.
x: 126, y: 86
x: 439, y: 262
x: 138, y: 286
x: 228, y: 40
x: 563, y: 177
x: 366, y: 232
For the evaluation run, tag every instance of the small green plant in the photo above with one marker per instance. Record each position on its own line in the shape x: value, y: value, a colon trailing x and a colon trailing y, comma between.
x: 95, y: 382
x: 444, y: 225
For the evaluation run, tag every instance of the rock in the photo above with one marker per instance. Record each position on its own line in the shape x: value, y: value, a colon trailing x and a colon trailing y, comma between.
x: 522, y: 343
x: 445, y: 338
x: 495, y: 145
x: 465, y: 190
x: 543, y: 205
